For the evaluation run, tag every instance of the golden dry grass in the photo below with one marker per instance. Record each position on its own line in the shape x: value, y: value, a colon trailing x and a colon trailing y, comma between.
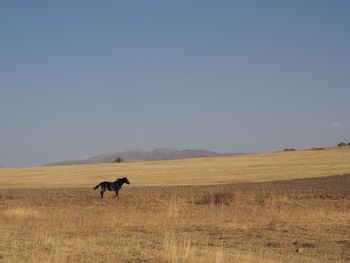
x: 305, y: 220
x: 201, y: 171
x: 249, y: 223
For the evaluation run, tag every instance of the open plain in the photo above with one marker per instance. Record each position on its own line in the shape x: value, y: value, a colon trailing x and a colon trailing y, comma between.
x: 273, y: 207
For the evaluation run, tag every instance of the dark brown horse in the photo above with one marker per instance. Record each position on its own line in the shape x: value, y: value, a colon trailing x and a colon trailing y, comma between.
x: 112, y: 186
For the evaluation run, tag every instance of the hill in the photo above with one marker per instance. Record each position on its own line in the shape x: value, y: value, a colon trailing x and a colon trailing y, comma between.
x: 140, y: 155
x: 195, y: 171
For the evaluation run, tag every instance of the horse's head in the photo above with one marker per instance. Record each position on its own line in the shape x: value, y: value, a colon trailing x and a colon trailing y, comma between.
x: 124, y: 180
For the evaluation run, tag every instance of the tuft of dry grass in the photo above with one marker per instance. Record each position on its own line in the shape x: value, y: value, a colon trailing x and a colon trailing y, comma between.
x: 21, y: 213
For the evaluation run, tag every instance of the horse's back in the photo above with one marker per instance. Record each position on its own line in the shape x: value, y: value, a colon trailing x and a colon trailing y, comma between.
x: 104, y: 184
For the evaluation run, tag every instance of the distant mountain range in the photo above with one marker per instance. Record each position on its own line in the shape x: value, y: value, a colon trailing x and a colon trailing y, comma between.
x: 140, y: 155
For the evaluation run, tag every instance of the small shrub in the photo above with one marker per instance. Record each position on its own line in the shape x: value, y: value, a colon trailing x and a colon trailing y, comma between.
x: 259, y: 196
x: 272, y: 244
x: 289, y: 150
x: 341, y: 144
x: 218, y: 198
x: 317, y: 149
x: 118, y: 160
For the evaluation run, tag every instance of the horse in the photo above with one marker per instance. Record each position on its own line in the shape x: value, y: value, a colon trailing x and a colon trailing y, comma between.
x: 112, y: 186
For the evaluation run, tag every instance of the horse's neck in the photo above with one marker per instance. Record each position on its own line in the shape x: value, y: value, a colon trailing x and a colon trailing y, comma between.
x: 120, y: 183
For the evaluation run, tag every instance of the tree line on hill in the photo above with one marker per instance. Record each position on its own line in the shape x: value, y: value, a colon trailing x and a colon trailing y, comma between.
x: 343, y: 144
x: 316, y: 148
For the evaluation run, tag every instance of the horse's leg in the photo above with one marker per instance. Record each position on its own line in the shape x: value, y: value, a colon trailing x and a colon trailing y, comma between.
x: 116, y: 194
x: 102, y: 193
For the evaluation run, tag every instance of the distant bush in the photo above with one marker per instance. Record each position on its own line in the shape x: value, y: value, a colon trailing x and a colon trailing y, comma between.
x: 218, y: 199
x: 289, y: 150
x: 349, y: 144
x: 342, y: 144
x: 118, y: 160
x: 317, y: 149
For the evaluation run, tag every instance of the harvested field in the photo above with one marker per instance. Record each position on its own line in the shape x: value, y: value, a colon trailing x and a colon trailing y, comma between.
x: 304, y: 220
x: 196, y: 171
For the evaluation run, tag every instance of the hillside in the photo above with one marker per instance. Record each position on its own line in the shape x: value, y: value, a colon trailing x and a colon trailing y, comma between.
x: 194, y: 171
x: 140, y: 155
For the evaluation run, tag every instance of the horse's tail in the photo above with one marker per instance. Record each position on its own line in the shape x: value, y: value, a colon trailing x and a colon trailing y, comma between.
x: 97, y: 186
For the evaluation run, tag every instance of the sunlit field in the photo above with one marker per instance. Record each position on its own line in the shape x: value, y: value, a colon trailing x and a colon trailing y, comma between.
x: 172, y: 213
x: 196, y: 171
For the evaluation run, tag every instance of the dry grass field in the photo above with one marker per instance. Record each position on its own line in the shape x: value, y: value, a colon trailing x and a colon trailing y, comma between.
x: 197, y: 171
x: 171, y: 213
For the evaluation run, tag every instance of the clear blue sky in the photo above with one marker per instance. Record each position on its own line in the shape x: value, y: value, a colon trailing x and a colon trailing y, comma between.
x: 86, y: 77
